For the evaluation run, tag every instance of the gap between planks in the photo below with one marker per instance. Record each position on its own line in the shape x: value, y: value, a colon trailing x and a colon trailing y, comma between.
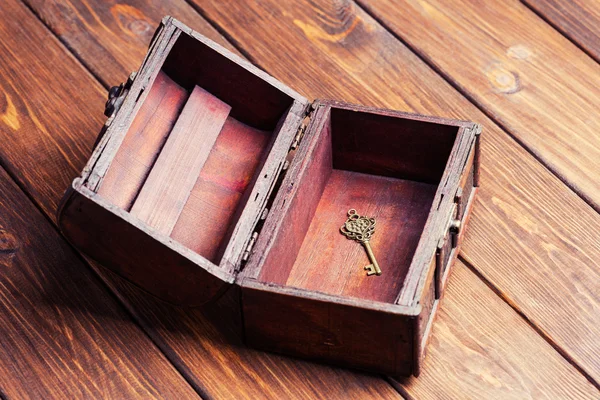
x: 68, y: 49
x: 178, y: 365
x: 463, y: 92
x: 557, y: 28
x: 524, y: 316
x: 223, y: 32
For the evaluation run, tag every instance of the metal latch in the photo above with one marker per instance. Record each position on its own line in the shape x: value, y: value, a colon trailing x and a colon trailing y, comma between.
x: 116, y: 95
x: 456, y: 217
x: 302, y: 128
x: 454, y: 231
x: 445, y: 247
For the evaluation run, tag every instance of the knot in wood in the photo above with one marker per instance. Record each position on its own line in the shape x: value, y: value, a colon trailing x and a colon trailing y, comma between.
x: 502, y: 79
x: 8, y: 242
x: 132, y: 19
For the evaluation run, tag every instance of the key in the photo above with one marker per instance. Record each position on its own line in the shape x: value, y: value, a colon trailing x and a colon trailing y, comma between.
x: 361, y: 229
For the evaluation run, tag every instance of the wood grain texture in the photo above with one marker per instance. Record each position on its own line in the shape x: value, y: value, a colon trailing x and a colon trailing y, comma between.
x: 531, y: 79
x: 302, y: 245
x: 302, y: 323
x: 579, y: 20
x: 297, y: 209
x: 111, y: 37
x: 255, y: 98
x: 495, y: 353
x: 348, y: 56
x: 42, y: 86
x: 391, y: 145
x: 173, y: 176
x: 343, y: 41
x: 45, y: 132
x: 211, y: 208
x: 328, y: 262
x: 543, y: 256
x: 63, y: 335
x: 142, y: 144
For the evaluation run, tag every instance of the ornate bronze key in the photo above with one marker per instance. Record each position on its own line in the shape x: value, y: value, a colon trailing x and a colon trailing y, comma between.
x: 361, y: 229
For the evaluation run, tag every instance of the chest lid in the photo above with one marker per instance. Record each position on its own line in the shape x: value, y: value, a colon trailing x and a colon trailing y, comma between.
x: 190, y: 155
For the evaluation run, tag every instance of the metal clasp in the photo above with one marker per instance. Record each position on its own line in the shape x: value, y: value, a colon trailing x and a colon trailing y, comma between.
x: 116, y: 95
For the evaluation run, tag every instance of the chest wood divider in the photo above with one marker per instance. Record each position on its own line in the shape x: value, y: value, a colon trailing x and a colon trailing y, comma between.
x: 178, y: 166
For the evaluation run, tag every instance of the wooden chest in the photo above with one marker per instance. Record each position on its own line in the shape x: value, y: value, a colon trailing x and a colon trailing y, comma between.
x: 209, y: 174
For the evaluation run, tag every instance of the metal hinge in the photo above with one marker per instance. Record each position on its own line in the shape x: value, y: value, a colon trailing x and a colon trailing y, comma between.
x: 302, y: 128
x: 250, y: 246
x: 284, y: 168
x: 299, y: 135
x: 264, y: 214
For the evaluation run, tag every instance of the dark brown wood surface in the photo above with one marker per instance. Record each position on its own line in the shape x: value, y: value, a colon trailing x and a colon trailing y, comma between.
x: 579, y: 20
x: 221, y: 366
x: 63, y: 334
x: 111, y: 37
x: 177, y: 167
x: 338, y: 52
x: 475, y: 326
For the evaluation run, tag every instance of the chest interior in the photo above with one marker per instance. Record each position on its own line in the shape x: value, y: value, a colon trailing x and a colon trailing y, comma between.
x: 385, y: 167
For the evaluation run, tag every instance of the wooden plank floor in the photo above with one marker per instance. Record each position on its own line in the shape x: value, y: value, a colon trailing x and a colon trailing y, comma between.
x: 521, y: 317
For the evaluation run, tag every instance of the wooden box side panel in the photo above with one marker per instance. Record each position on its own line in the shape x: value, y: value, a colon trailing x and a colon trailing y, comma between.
x: 252, y: 100
x: 120, y: 121
x: 292, y: 208
x: 442, y: 212
x: 424, y: 322
x: 403, y: 148
x: 130, y: 250
x: 321, y: 330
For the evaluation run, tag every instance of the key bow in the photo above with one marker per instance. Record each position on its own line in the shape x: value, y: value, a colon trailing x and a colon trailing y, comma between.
x: 358, y: 227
